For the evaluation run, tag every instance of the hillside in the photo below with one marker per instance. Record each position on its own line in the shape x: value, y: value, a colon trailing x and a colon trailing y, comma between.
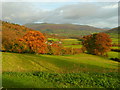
x: 114, y: 34
x: 50, y: 63
x: 114, y: 30
x: 65, y: 29
x: 12, y: 32
x: 73, y: 71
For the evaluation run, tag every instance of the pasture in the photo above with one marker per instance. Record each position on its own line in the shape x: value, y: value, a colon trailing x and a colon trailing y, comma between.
x: 69, y: 71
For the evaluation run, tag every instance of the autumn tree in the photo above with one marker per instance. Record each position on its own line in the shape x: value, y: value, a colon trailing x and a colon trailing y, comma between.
x: 10, y: 35
x: 35, y: 41
x: 54, y: 48
x: 98, y: 44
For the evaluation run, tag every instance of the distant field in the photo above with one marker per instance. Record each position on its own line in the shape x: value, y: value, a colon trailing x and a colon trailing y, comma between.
x: 53, y: 39
x: 114, y: 37
x: 70, y: 41
x: 115, y: 40
x: 113, y: 54
x: 115, y: 47
x: 28, y: 70
x: 74, y: 46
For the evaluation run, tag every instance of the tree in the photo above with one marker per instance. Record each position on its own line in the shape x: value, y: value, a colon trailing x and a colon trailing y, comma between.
x: 35, y: 41
x: 98, y: 44
x: 54, y: 48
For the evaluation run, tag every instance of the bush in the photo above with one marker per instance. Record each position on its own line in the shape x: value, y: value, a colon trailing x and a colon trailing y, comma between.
x: 54, y: 49
x: 20, y: 47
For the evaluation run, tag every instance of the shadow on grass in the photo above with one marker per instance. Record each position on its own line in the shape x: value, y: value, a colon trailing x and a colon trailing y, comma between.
x: 7, y: 83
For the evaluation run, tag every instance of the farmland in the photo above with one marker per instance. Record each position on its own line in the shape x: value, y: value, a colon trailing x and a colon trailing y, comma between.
x: 83, y: 70
x: 34, y: 70
x: 67, y: 71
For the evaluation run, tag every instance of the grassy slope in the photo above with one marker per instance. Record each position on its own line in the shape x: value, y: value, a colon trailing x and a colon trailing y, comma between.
x: 40, y: 71
x: 69, y: 42
x: 31, y: 62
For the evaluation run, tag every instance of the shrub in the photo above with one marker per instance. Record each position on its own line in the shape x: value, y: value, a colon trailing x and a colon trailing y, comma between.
x: 54, y: 48
x: 20, y: 47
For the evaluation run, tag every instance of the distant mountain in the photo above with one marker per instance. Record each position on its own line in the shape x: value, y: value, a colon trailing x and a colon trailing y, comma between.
x: 65, y: 29
x: 107, y: 28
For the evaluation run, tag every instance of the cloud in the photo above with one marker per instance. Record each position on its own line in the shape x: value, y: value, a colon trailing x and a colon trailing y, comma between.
x: 95, y: 14
x: 20, y: 12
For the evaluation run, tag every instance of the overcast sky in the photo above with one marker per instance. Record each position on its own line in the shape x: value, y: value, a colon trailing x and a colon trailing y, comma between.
x: 102, y: 14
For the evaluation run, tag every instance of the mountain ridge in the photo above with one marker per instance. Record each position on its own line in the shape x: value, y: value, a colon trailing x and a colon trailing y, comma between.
x: 62, y: 29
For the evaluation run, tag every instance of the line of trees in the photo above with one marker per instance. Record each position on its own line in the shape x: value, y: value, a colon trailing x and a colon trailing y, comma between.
x: 36, y: 42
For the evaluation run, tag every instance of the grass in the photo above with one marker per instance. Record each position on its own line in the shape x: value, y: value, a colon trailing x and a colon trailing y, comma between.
x: 69, y: 71
x: 55, y: 80
x: 51, y: 63
x: 113, y: 54
x: 115, y: 47
x: 54, y: 39
x: 49, y: 71
x: 115, y: 40
x: 114, y: 37
x: 74, y: 46
x: 70, y: 41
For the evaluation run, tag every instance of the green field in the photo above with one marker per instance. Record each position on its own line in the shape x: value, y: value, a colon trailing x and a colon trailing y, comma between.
x: 54, y: 39
x: 115, y: 47
x: 70, y: 42
x: 114, y: 37
x: 74, y: 46
x: 37, y: 71
x: 115, y: 40
x: 113, y: 54
x: 68, y: 71
x: 67, y: 42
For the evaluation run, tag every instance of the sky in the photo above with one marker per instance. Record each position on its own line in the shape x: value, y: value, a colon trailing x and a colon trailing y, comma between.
x: 98, y: 14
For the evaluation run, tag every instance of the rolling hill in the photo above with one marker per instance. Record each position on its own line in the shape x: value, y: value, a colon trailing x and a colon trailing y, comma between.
x: 12, y: 32
x: 49, y: 71
x: 65, y: 29
x: 114, y: 34
x: 114, y: 30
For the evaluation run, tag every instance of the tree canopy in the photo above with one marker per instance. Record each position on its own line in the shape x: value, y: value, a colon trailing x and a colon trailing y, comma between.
x: 97, y: 44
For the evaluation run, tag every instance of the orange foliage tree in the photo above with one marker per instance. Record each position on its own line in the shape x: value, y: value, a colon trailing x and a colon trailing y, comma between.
x: 35, y: 41
x: 98, y: 44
